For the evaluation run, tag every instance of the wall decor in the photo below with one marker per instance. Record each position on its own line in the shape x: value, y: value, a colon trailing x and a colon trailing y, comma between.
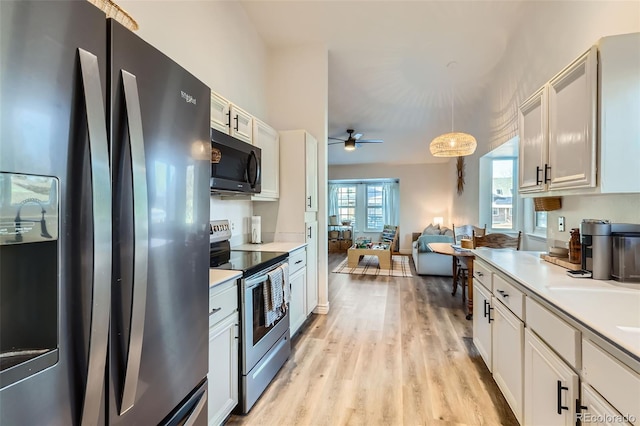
x: 460, y: 169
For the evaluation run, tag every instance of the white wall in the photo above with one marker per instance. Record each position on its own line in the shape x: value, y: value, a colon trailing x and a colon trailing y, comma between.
x: 297, y: 89
x: 216, y: 42
x: 551, y: 36
x: 426, y: 191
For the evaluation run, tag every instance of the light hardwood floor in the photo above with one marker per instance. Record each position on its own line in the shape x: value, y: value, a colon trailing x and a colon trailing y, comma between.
x: 391, y: 351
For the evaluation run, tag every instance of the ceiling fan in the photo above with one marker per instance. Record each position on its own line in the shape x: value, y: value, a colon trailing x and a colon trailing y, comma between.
x: 354, y: 141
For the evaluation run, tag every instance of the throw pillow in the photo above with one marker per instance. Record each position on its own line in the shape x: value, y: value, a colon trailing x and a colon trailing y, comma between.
x: 446, y: 231
x: 431, y: 230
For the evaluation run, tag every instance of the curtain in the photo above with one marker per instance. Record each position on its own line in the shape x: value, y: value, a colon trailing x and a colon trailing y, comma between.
x: 333, y: 198
x: 390, y: 203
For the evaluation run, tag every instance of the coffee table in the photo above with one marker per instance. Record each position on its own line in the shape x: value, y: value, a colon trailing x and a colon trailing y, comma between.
x: 355, y: 255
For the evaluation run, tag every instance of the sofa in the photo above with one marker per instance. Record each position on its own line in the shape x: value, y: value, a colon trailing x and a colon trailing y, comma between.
x: 426, y: 261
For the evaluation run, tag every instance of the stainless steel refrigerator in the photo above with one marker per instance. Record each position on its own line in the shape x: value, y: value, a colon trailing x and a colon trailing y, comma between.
x: 104, y: 213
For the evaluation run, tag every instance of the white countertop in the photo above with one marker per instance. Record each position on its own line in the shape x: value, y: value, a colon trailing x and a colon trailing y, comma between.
x: 275, y: 246
x: 606, y: 308
x: 218, y: 276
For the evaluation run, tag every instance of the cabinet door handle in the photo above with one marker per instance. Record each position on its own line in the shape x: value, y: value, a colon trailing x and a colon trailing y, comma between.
x: 503, y: 293
x: 300, y: 261
x: 309, y: 203
x: 486, y: 311
x: 236, y: 128
x: 489, y: 314
x: 480, y: 274
x: 228, y: 118
x: 579, y: 408
x: 560, y: 389
x: 214, y: 310
x: 309, y: 232
x: 538, y: 171
x: 547, y: 173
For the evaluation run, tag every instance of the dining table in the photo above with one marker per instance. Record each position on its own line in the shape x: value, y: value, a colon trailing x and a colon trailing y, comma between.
x: 464, y: 255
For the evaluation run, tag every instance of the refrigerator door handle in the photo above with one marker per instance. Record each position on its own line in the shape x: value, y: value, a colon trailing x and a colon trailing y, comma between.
x: 141, y: 239
x: 101, y: 206
x: 193, y: 416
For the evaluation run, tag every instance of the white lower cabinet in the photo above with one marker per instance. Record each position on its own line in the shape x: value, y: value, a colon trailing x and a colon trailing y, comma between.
x: 297, y: 305
x: 595, y: 410
x: 312, y: 266
x: 550, y: 385
x: 223, y: 352
x: 482, y: 318
x: 508, y: 337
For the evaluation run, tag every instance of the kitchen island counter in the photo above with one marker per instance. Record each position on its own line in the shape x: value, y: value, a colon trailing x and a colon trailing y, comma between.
x: 603, y: 309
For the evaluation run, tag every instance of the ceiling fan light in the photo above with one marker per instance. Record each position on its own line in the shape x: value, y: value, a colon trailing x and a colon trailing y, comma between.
x: 350, y: 144
x: 454, y: 144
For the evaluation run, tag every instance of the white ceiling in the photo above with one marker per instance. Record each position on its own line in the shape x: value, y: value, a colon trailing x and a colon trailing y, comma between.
x: 388, y: 75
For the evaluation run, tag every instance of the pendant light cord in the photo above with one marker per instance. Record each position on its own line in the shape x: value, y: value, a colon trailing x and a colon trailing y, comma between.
x: 452, y: 101
x: 450, y: 67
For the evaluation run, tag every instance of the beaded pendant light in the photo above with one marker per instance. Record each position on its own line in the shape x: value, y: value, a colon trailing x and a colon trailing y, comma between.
x: 453, y: 144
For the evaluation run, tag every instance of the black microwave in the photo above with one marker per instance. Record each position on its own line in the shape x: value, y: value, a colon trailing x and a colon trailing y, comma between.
x: 235, y: 165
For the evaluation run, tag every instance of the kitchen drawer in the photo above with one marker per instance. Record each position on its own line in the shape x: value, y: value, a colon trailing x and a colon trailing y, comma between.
x: 223, y: 301
x: 560, y: 336
x: 618, y: 384
x: 509, y: 295
x: 482, y: 273
x: 297, y: 260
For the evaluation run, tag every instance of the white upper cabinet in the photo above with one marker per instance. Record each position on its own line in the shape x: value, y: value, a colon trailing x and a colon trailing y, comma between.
x: 580, y: 133
x: 220, y: 112
x: 230, y: 118
x: 619, y: 93
x: 534, y: 139
x: 572, y: 124
x: 557, y: 127
x: 241, y: 124
x: 267, y: 139
x: 311, y: 158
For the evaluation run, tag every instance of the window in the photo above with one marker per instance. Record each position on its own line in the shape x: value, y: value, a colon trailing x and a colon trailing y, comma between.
x: 502, y: 184
x: 540, y: 223
x: 499, y: 202
x: 374, y: 207
x: 347, y: 204
x: 369, y: 204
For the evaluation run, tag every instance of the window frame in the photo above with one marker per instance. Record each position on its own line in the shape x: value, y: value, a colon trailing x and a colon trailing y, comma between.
x: 368, y: 205
x: 514, y: 194
x: 353, y: 218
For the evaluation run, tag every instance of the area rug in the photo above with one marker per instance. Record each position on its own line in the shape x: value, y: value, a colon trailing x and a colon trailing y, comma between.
x: 369, y: 266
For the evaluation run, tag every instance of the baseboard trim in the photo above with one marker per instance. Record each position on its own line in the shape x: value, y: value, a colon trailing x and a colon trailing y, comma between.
x: 322, y: 309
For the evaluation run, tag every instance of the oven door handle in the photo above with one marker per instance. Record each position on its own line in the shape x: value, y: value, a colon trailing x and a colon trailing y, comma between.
x: 254, y: 282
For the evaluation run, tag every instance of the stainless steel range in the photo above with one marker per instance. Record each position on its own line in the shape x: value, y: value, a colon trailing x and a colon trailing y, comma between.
x: 264, y: 348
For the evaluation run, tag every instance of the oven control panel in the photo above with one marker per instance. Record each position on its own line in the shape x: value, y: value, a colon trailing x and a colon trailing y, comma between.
x: 219, y: 230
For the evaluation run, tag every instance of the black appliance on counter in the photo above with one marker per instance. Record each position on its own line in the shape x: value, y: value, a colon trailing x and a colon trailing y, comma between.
x: 104, y: 162
x: 236, y: 166
x: 263, y: 349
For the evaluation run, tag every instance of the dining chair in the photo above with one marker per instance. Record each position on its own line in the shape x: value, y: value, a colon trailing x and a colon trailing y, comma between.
x: 462, y: 272
x: 497, y: 240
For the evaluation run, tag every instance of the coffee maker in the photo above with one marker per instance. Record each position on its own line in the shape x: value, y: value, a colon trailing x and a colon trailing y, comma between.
x: 595, y: 238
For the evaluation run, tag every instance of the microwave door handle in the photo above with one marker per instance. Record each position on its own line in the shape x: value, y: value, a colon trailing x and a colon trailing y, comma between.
x: 141, y: 239
x: 101, y: 206
x: 253, y: 179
